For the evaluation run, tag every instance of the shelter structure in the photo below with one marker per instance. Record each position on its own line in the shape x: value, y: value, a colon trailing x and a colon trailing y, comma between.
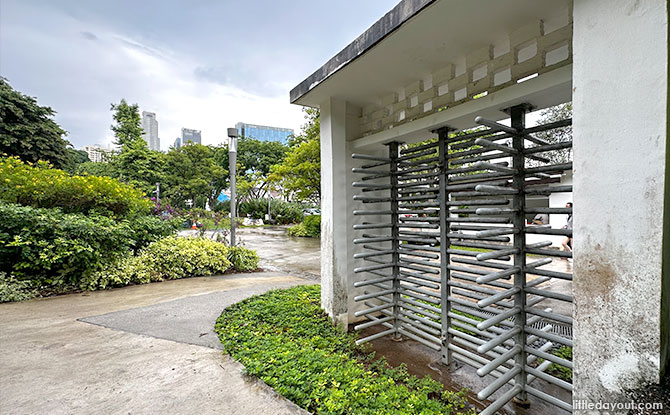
x: 398, y: 258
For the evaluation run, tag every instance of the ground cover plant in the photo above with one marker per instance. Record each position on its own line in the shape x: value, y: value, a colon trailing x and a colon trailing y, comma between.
x: 284, y: 338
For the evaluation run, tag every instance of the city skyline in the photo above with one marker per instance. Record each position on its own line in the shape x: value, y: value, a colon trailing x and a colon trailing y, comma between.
x: 207, y: 75
x: 150, y: 127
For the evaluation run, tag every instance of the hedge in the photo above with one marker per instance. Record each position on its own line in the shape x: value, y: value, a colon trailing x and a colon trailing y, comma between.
x: 310, y: 227
x: 282, y: 212
x: 40, y: 186
x: 56, y: 249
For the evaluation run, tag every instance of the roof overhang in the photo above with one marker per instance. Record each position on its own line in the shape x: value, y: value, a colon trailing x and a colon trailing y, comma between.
x: 415, y: 39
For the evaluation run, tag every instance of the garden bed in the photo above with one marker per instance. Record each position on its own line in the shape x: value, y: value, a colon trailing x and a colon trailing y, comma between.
x: 284, y: 338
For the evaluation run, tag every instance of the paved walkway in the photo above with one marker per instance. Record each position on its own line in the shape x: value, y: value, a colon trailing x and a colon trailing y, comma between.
x: 124, y: 352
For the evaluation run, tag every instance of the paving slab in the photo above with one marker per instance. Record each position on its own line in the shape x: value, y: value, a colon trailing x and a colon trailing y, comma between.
x: 54, y: 362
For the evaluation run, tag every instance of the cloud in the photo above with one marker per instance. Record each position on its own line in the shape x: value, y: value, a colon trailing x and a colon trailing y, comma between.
x: 88, y: 35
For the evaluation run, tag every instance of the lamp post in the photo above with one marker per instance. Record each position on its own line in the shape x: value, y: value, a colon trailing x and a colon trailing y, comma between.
x: 232, y: 158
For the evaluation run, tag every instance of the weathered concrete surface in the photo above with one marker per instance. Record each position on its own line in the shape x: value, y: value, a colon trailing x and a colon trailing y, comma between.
x: 619, y: 169
x: 52, y: 363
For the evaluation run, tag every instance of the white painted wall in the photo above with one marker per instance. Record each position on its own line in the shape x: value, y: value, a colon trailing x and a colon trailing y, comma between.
x: 620, y: 77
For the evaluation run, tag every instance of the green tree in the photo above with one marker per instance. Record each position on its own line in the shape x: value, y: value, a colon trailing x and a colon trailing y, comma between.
x: 75, y: 159
x: 557, y: 135
x: 255, y: 159
x: 27, y: 129
x: 192, y: 172
x: 299, y: 174
x: 135, y: 164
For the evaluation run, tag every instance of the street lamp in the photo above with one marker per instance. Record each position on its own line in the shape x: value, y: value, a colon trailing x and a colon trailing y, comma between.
x: 232, y: 159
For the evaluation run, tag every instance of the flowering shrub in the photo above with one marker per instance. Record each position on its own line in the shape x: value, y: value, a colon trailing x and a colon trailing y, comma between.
x: 173, y: 258
x: 38, y: 185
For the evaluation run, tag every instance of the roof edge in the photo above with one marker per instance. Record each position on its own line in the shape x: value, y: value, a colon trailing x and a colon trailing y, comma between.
x: 390, y: 22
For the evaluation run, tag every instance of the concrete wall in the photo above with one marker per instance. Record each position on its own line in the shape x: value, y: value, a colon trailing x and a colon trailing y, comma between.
x: 620, y: 80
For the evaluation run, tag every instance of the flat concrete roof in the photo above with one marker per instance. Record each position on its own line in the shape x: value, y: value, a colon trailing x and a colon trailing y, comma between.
x: 391, y: 21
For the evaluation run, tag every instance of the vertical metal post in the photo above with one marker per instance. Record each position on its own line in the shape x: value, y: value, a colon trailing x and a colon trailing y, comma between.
x: 518, y: 120
x: 395, y: 243
x: 232, y: 161
x: 445, y: 290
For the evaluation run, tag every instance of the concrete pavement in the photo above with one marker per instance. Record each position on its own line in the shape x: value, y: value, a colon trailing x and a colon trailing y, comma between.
x: 125, y: 351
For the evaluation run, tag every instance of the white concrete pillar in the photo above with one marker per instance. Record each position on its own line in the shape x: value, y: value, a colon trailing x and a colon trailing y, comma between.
x: 620, y: 101
x: 337, y: 125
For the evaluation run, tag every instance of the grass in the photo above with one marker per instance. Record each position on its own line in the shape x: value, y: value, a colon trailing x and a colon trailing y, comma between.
x: 284, y: 338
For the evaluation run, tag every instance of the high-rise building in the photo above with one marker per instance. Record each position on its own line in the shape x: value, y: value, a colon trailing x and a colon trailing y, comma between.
x: 96, y: 153
x: 177, y: 143
x: 150, y: 127
x: 263, y: 132
x: 188, y: 134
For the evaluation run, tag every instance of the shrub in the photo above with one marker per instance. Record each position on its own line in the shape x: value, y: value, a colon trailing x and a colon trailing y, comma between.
x: 56, y: 249
x: 147, y: 229
x: 310, y: 227
x: 40, y: 186
x: 282, y: 212
x: 243, y: 259
x: 284, y: 338
x: 173, y: 258
x: 12, y: 289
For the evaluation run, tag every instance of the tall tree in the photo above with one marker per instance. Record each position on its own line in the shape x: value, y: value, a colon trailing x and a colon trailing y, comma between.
x: 135, y: 164
x: 75, y: 159
x: 27, y: 129
x: 193, y: 173
x: 557, y: 135
x: 299, y: 174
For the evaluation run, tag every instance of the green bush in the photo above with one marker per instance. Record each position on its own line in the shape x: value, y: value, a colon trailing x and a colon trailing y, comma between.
x: 12, y: 289
x: 173, y: 258
x: 56, y: 249
x: 282, y: 212
x: 40, y: 186
x: 243, y: 259
x: 284, y: 338
x: 310, y: 227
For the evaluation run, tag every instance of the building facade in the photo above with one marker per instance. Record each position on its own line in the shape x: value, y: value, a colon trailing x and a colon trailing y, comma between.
x: 150, y: 127
x: 96, y: 153
x: 177, y: 143
x: 263, y: 132
x: 191, y: 135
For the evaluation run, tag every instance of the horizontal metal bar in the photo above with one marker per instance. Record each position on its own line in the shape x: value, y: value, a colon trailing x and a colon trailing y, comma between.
x: 498, y: 340
x: 495, y: 126
x: 552, y: 316
x: 547, y: 190
x: 497, y: 254
x: 478, y: 220
x: 371, y: 240
x: 550, y: 168
x: 419, y: 339
x: 411, y: 293
x: 372, y: 310
x: 374, y: 267
x: 499, y: 190
x: 419, y: 148
x: 548, y: 378
x: 372, y: 226
x: 421, y: 305
x: 379, y: 173
x: 425, y: 152
x: 373, y: 295
x: 498, y: 383
x: 552, y: 274
x: 502, y: 167
x: 372, y: 212
x: 547, y: 231
x: 485, y: 264
x: 550, y: 294
x: 363, y: 283
x: 498, y: 297
x: 368, y: 157
x: 556, y: 211
x: 371, y: 199
x: 373, y: 323
x: 418, y: 282
x: 483, y: 325
x: 402, y: 251
x: 498, y: 275
x: 548, y: 336
x: 549, y: 252
x: 376, y: 336
x: 548, y: 398
x: 495, y: 211
x: 548, y: 147
x: 542, y: 244
x: 480, y: 202
x: 502, y: 400
x: 456, y: 235
x: 549, y: 356
x: 495, y: 146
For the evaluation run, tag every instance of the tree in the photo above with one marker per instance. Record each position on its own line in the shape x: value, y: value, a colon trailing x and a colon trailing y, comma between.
x: 28, y: 131
x: 255, y: 159
x: 299, y: 174
x: 75, y: 159
x: 135, y: 164
x: 557, y: 135
x: 193, y: 173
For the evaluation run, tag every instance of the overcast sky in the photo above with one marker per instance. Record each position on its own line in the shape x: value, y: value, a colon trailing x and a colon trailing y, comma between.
x: 200, y: 64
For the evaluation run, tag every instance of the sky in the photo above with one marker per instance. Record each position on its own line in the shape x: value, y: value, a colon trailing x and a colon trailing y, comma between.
x: 199, y: 64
